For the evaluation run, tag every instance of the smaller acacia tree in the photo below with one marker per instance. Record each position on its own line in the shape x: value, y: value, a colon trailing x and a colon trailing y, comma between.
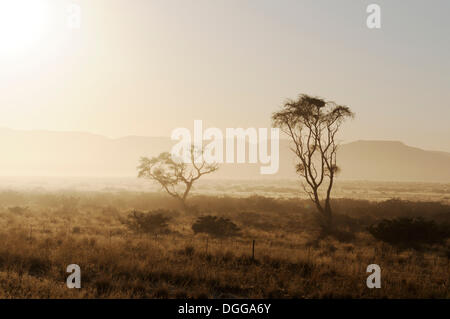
x: 175, y: 176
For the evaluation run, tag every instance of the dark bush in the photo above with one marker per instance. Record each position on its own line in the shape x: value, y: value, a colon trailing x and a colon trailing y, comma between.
x: 215, y: 226
x: 38, y: 266
x: 19, y: 210
x: 410, y: 232
x: 152, y: 222
x: 189, y: 250
x: 342, y: 235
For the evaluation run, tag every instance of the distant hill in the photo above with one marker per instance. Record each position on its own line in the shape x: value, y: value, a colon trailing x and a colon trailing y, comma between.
x: 45, y: 153
x: 393, y: 161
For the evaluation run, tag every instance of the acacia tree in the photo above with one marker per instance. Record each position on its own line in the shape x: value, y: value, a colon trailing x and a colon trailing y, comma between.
x: 175, y: 176
x: 312, y: 124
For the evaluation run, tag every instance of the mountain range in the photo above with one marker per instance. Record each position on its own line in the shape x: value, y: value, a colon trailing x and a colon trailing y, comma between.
x: 47, y: 153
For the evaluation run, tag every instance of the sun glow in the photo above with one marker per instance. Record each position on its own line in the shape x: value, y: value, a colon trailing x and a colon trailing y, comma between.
x: 22, y: 24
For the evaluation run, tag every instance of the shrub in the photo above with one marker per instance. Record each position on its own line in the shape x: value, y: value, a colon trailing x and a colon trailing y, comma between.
x: 215, y: 226
x: 38, y: 266
x: 189, y: 250
x: 409, y: 232
x: 342, y: 235
x: 153, y: 222
x: 19, y: 210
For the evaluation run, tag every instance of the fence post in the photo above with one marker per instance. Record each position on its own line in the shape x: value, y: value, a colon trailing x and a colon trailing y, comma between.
x: 253, y: 250
x: 207, y: 246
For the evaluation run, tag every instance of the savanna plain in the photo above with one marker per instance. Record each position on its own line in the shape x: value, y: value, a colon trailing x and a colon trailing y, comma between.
x: 132, y: 243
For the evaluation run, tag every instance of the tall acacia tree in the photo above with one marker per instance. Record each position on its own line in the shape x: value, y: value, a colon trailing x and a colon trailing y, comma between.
x: 175, y: 176
x: 312, y: 124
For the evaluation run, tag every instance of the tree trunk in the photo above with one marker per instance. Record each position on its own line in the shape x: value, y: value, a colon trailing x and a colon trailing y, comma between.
x: 325, y: 217
x: 182, y: 199
x: 183, y: 205
x: 328, y: 219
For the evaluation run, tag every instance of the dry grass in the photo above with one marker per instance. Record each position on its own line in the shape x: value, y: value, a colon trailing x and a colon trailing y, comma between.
x: 55, y: 230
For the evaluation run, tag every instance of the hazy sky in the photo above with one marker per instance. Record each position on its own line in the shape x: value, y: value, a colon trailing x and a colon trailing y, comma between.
x: 145, y: 67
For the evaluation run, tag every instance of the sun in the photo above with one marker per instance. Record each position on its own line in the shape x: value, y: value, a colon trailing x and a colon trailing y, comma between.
x: 22, y: 23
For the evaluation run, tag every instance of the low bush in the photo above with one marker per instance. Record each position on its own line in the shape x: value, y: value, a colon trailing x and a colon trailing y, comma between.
x: 215, y: 226
x: 152, y: 222
x: 410, y: 232
x: 18, y: 210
